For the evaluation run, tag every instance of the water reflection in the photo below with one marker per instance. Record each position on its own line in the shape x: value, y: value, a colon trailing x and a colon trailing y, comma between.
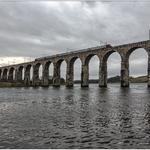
x: 93, y: 117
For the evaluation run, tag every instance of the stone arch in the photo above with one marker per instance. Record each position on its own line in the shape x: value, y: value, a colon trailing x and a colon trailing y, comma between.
x: 103, y: 68
x: 129, y: 56
x: 131, y: 50
x: 125, y: 66
x: 89, y: 57
x: 88, y: 61
x: 107, y: 54
x: 11, y: 73
x: 58, y: 63
x: 114, y: 66
x: 73, y: 59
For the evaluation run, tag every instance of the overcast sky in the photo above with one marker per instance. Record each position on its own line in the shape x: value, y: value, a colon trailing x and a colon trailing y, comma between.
x: 33, y: 29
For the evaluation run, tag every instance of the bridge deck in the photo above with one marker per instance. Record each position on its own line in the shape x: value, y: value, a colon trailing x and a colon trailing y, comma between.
x: 82, y: 51
x: 91, y: 49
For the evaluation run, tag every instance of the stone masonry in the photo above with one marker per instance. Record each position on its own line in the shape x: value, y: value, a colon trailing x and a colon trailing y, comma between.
x: 14, y: 72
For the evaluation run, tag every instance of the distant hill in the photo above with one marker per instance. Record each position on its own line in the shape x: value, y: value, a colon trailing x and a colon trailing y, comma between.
x: 116, y: 79
x: 140, y: 79
x: 113, y: 79
x: 110, y: 80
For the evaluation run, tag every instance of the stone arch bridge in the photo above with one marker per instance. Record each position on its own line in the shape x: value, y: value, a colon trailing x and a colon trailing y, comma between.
x: 14, y: 72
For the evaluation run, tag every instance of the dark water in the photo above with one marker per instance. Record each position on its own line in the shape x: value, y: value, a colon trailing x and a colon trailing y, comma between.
x: 75, y: 118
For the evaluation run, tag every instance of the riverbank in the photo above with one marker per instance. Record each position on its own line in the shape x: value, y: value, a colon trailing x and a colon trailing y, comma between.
x: 116, y: 79
x: 11, y: 84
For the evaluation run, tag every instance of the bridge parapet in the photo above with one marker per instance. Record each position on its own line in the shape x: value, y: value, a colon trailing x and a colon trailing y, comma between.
x: 17, y: 65
x: 126, y: 47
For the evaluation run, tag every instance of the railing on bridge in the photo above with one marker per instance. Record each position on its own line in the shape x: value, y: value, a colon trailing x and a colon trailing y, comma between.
x: 74, y: 52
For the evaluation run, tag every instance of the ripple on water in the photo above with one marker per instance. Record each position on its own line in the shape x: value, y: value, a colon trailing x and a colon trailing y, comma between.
x: 75, y: 118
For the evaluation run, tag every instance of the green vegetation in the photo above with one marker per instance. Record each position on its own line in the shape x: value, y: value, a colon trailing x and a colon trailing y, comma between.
x: 116, y: 79
x: 11, y: 84
x: 141, y: 79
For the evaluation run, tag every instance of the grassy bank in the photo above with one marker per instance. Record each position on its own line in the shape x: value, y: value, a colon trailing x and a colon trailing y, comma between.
x: 11, y: 84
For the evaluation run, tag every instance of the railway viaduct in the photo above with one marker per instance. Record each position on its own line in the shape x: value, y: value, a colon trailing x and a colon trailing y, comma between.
x: 14, y: 72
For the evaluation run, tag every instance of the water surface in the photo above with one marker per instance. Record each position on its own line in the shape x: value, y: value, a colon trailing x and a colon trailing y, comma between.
x: 75, y: 118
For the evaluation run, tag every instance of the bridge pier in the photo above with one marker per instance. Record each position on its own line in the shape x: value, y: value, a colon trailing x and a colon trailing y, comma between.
x: 36, y: 80
x: 103, y: 74
x: 45, y: 77
x: 0, y: 74
x: 125, y: 73
x: 4, y: 75
x: 85, y: 75
x: 18, y: 75
x: 69, y: 75
x: 27, y: 76
x: 56, y: 75
x: 27, y: 80
x: 148, y: 69
x: 10, y: 76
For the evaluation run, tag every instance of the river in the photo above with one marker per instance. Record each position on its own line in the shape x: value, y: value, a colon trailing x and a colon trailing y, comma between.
x: 91, y: 117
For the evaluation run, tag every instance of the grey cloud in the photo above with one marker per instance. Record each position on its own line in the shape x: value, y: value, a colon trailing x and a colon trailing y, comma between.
x: 37, y: 29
